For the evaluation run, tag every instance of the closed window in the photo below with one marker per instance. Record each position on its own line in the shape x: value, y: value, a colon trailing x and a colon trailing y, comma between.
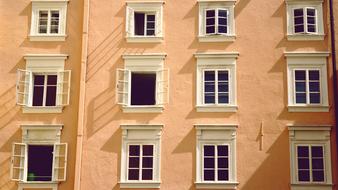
x: 216, y: 21
x: 49, y: 21
x: 215, y: 162
x: 216, y: 86
x: 305, y: 20
x: 140, y: 162
x: 307, y: 86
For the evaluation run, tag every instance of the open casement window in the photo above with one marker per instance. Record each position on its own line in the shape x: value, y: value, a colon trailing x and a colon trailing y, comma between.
x: 60, y: 162
x: 18, y: 161
x: 162, y: 87
x: 216, y: 21
x: 47, y: 89
x: 122, y: 84
x: 305, y: 20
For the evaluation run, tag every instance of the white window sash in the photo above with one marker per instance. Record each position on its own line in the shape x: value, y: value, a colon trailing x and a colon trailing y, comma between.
x: 162, y: 87
x: 216, y: 31
x: 123, y: 86
x: 307, y: 86
x: 21, y: 167
x: 63, y: 88
x: 130, y: 21
x: 49, y: 21
x: 305, y: 21
x: 216, y: 86
x: 60, y: 162
x: 23, y: 82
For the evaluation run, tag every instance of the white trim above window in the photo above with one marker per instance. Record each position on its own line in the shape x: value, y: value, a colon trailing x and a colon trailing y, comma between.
x: 310, y: 157
x: 307, y: 81
x: 216, y: 21
x: 217, y: 92
x: 305, y: 20
x: 48, y: 21
x: 216, y: 143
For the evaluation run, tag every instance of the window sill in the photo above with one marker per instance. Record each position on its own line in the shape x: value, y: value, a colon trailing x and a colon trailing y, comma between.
x: 56, y: 109
x: 52, y: 38
x: 144, y: 185
x: 305, y: 37
x: 38, y: 185
x: 216, y: 185
x: 217, y: 38
x: 144, y: 39
x: 142, y: 109
x: 311, y: 186
x: 219, y: 108
x: 308, y: 108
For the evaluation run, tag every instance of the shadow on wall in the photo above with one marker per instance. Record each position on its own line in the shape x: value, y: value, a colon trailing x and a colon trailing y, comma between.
x: 274, y: 171
x: 5, y: 182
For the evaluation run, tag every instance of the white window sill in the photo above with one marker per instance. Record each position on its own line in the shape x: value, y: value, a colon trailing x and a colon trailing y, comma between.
x: 218, y: 108
x: 311, y: 186
x: 143, y: 109
x: 52, y: 38
x: 308, y: 108
x: 38, y: 185
x: 216, y: 185
x: 305, y: 37
x: 144, y: 185
x: 217, y: 38
x: 144, y: 39
x: 52, y: 109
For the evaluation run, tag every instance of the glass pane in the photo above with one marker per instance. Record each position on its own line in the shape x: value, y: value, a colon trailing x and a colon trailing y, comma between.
x: 150, y: 25
x: 209, y: 75
x: 303, y: 175
x: 223, y: 87
x: 222, y: 21
x: 147, y: 150
x: 299, y: 21
x: 222, y: 150
x: 303, y: 163
x: 311, y: 28
x: 223, y: 76
x: 209, y: 86
x: 223, y: 98
x: 222, y: 13
x: 318, y: 175
x: 311, y: 20
x: 139, y: 23
x: 300, y: 86
x: 52, y: 79
x: 147, y: 174
x: 209, y: 99
x: 222, y: 29
x: 210, y: 29
x: 303, y: 151
x: 210, y: 13
x: 150, y: 32
x: 314, y: 86
x: 300, y: 98
x: 314, y: 75
x: 314, y: 98
x: 300, y: 75
x: 317, y: 151
x: 222, y: 163
x: 38, y: 96
x: 134, y: 162
x: 317, y: 163
x: 133, y: 174
x: 311, y: 12
x: 51, y: 96
x: 54, y: 22
x: 210, y: 21
x: 298, y: 12
x: 209, y: 150
x: 134, y: 150
x: 209, y: 163
x: 150, y: 17
x: 209, y: 175
x: 223, y: 175
x: 299, y: 28
x: 39, y: 79
x: 147, y: 162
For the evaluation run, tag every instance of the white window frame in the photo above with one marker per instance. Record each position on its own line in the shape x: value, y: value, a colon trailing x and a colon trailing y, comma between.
x: 39, y: 135
x: 147, y: 7
x: 216, y: 134
x: 216, y: 61
x: 216, y: 5
x: 300, y: 4
x: 54, y: 5
x: 46, y: 65
x: 141, y: 135
x: 216, y: 70
x: 307, y: 61
x: 142, y: 63
x: 310, y: 135
x: 216, y: 21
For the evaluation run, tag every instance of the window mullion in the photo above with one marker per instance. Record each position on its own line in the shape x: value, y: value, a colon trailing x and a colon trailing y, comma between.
x: 216, y: 86
x: 140, y: 165
x: 307, y: 88
x: 216, y: 163
x: 310, y: 162
x: 145, y: 24
x: 49, y: 21
x: 305, y: 19
x: 44, y: 97
x: 216, y: 21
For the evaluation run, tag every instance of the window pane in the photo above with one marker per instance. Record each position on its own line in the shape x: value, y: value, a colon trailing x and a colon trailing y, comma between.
x: 143, y: 89
x: 147, y: 162
x: 318, y: 175
x: 209, y: 99
x: 314, y: 75
x: 151, y: 18
x: 222, y: 29
x: 133, y: 174
x: 303, y: 175
x: 311, y: 28
x: 222, y: 13
x: 139, y: 23
x: 209, y: 162
x: 303, y: 163
x: 223, y: 175
x: 150, y: 25
x: 39, y: 79
x: 40, y: 162
x: 299, y: 28
x: 223, y: 98
x: 222, y: 21
x: 38, y: 96
x: 317, y: 163
x: 51, y: 96
x: 311, y: 20
x: 223, y: 75
x: 210, y: 29
x: 54, y: 28
x: 209, y: 150
x: 147, y: 150
x: 134, y: 150
x: 43, y: 19
x: 210, y: 13
x: 222, y: 163
x: 314, y: 86
x: 150, y: 32
x: 223, y: 87
x: 298, y: 12
x: 300, y: 86
x: 209, y: 175
x: 315, y: 98
x: 51, y: 79
x: 303, y: 151
x: 317, y: 151
x: 311, y: 12
x: 222, y: 150
x: 210, y: 21
x: 147, y: 174
x: 299, y: 21
x: 134, y: 162
x: 209, y: 86
x: 209, y: 75
x: 300, y: 98
x: 300, y: 75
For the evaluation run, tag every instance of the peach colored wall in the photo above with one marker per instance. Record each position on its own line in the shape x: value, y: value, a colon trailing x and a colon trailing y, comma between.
x: 14, y: 44
x: 261, y: 84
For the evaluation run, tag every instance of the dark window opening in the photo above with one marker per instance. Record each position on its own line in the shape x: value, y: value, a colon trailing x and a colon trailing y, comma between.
x: 40, y: 163
x: 44, y: 90
x: 143, y: 88
x: 139, y: 24
x: 144, y: 24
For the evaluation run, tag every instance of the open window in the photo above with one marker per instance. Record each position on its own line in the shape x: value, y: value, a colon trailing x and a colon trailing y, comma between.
x: 144, y: 21
x: 41, y: 89
x: 39, y: 161
x: 142, y: 88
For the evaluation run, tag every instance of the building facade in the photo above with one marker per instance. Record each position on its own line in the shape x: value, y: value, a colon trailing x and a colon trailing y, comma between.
x: 207, y: 94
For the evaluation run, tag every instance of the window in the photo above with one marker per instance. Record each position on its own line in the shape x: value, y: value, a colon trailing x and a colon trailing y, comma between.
x: 142, y: 86
x: 140, y: 162
x: 216, y: 82
x: 310, y: 157
x: 305, y: 20
x: 307, y: 82
x: 215, y: 157
x: 48, y: 20
x: 40, y: 161
x: 144, y: 21
x: 43, y: 88
x: 216, y: 21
